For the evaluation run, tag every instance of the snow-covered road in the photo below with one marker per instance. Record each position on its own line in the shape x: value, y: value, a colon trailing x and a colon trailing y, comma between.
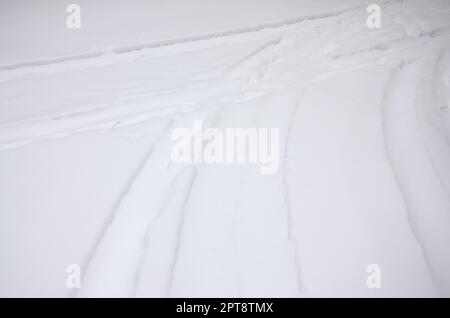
x: 86, y: 175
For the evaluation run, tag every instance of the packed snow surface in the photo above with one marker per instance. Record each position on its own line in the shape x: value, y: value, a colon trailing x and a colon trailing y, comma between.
x: 86, y: 175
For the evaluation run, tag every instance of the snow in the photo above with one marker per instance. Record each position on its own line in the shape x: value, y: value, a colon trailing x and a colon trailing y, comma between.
x: 125, y: 24
x: 86, y: 175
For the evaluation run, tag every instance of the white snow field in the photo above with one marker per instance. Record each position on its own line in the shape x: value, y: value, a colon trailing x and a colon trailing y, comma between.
x: 86, y: 175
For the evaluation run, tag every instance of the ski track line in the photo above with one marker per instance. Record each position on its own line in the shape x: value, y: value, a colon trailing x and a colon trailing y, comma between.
x: 173, y: 191
x: 174, y: 264
x: 287, y: 201
x: 440, y: 62
x: 40, y: 132
x: 203, y: 37
x: 421, y: 126
x: 438, y: 128
x: 127, y: 189
x: 179, y: 232
x: 392, y: 86
x: 129, y: 273
x: 104, y: 118
x: 97, y: 120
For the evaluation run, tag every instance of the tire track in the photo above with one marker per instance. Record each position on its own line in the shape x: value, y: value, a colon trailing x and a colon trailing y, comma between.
x: 425, y: 201
x: 203, y: 37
